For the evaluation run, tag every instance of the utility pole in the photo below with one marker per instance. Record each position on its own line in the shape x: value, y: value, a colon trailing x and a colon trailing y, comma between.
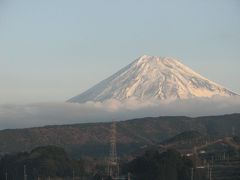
x: 192, y: 174
x: 208, y: 170
x: 210, y: 174
x: 73, y: 177
x: 24, y: 173
x: 233, y: 131
x: 129, y: 176
x: 6, y: 176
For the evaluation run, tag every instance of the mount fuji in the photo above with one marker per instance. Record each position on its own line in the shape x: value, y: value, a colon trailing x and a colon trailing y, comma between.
x: 151, y: 78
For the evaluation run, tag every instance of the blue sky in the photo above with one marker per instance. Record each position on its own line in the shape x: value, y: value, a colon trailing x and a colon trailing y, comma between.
x: 51, y: 50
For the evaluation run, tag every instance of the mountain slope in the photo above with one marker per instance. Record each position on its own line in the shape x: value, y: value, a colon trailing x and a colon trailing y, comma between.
x: 153, y: 78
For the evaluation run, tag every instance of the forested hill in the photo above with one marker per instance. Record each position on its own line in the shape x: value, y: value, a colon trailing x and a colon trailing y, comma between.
x: 93, y: 138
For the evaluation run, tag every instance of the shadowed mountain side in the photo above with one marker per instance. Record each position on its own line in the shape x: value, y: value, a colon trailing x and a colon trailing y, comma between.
x: 93, y: 138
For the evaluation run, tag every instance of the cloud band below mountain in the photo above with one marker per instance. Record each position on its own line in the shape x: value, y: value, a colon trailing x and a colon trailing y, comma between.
x: 53, y: 113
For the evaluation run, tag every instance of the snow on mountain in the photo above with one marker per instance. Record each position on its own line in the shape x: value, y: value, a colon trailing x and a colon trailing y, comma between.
x: 153, y: 78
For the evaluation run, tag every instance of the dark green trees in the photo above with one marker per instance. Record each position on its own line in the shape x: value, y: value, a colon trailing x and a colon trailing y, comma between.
x: 169, y: 165
x: 49, y: 161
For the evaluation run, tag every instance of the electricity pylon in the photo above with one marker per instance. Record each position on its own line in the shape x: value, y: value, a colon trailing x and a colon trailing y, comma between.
x: 113, y: 165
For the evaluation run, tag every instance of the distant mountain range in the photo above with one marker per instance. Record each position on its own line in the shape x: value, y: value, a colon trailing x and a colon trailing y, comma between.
x: 150, y: 78
x: 93, y: 138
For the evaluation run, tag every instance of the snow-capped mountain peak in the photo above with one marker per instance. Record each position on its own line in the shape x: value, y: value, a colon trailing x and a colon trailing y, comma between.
x: 153, y: 78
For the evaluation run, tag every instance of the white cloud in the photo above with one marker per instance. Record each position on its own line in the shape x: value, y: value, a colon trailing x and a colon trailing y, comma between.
x: 40, y: 114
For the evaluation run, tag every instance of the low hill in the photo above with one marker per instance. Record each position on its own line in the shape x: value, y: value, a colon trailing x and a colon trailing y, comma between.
x: 93, y: 138
x: 184, y: 137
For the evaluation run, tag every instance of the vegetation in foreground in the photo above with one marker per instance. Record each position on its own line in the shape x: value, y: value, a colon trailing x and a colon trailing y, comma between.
x: 53, y: 162
x: 42, y: 162
x: 168, y: 160
x: 169, y: 165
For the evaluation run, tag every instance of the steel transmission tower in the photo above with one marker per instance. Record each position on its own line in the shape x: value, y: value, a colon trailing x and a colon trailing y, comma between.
x: 113, y: 166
